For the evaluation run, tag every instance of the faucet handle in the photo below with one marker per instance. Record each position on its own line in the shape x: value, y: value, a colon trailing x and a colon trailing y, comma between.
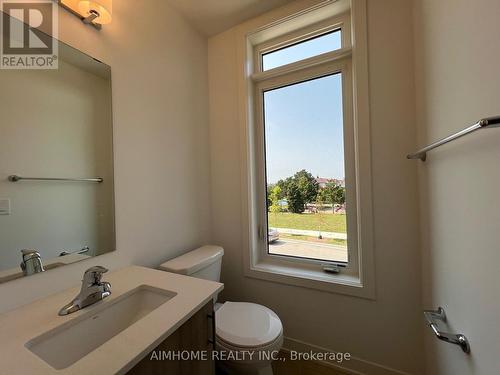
x: 93, y: 275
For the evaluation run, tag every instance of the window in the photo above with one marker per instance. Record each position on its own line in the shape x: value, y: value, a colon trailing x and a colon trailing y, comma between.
x: 307, y: 153
x: 305, y: 127
x: 318, y: 45
x: 304, y: 162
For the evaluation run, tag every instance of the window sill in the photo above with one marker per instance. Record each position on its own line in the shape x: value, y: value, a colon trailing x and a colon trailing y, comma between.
x: 309, y: 278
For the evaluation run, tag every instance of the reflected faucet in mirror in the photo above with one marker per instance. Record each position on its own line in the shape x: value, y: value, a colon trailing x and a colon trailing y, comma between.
x: 32, y: 262
x: 93, y: 290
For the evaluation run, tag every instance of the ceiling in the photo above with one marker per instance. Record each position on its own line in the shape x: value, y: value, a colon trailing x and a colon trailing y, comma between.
x: 214, y: 16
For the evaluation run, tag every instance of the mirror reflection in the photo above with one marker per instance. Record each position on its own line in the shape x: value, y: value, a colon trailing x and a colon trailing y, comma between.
x: 56, y: 165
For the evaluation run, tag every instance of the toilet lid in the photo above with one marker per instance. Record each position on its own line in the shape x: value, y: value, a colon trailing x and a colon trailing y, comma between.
x: 247, y: 324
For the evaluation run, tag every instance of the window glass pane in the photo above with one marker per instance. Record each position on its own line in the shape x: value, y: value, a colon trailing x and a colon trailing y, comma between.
x: 303, y: 50
x: 304, y: 161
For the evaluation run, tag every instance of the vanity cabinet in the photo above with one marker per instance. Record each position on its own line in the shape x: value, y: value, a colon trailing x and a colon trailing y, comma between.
x: 194, y: 335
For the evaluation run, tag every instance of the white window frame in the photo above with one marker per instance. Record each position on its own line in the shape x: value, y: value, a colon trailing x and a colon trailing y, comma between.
x: 358, y: 278
x: 341, y: 22
x: 343, y: 67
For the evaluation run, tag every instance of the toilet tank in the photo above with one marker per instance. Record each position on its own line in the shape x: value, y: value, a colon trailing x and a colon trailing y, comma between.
x: 204, y: 263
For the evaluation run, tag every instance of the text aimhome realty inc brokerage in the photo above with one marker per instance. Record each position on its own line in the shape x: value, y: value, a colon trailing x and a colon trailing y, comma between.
x: 244, y: 355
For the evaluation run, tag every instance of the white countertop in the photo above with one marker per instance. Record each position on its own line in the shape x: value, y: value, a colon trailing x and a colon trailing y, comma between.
x: 123, y: 351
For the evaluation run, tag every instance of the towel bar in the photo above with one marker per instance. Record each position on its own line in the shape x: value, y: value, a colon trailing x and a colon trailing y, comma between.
x: 439, y: 315
x: 15, y: 178
x: 489, y: 122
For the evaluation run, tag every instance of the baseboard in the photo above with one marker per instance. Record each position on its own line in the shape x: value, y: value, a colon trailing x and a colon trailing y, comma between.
x: 354, y: 366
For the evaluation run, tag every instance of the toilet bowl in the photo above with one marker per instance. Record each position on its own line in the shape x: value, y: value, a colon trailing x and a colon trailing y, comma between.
x: 248, y: 335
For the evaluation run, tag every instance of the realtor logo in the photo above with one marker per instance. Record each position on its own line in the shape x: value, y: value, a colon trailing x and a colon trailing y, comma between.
x: 28, y: 32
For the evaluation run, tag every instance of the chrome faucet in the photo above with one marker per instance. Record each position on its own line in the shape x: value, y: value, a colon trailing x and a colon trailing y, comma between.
x: 93, y: 290
x: 32, y: 262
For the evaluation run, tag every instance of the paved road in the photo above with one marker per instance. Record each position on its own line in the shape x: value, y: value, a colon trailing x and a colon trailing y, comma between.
x: 309, y: 249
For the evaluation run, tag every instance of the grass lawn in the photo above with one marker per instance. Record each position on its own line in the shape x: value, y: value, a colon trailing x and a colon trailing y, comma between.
x: 329, y: 222
x: 330, y: 241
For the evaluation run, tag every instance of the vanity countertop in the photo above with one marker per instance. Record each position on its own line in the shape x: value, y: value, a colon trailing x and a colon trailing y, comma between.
x: 16, y: 272
x: 123, y: 351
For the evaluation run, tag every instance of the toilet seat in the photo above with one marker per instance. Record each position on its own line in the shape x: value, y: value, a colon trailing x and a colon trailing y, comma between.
x: 241, y: 325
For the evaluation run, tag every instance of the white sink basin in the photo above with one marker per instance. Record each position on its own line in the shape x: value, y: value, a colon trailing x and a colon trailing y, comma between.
x: 66, y: 344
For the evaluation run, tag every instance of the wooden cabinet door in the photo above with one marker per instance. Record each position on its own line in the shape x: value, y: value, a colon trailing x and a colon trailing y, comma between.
x: 194, y: 335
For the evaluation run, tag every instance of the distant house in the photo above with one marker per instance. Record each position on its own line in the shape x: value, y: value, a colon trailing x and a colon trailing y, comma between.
x: 323, y: 181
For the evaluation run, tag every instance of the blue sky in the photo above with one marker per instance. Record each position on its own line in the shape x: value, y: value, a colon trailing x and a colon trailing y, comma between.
x: 304, y: 129
x: 309, y: 48
x: 303, y: 122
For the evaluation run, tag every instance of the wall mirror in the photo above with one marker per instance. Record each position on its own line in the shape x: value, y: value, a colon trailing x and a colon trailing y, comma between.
x: 56, y: 165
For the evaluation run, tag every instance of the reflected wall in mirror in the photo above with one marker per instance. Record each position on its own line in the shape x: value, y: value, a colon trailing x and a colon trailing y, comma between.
x: 55, y: 124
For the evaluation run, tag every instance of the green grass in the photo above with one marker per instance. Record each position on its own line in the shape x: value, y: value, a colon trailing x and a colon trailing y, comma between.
x: 330, y: 241
x: 328, y: 222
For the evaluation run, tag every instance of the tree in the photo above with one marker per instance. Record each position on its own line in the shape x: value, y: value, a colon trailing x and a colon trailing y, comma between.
x: 307, y: 185
x: 270, y: 188
x: 302, y: 187
x: 283, y: 184
x: 333, y: 194
x: 274, y: 197
x: 295, y: 198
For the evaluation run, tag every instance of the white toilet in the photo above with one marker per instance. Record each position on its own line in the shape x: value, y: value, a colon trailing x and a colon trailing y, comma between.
x: 247, y: 334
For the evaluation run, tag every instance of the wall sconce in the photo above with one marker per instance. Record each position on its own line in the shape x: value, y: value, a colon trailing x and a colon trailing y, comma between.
x: 91, y: 12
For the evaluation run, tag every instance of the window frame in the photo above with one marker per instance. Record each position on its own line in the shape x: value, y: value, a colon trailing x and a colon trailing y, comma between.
x: 304, y: 34
x: 337, y: 66
x: 252, y: 40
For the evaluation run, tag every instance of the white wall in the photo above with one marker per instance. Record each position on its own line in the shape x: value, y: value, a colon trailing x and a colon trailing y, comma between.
x: 386, y: 331
x: 159, y: 73
x: 458, y: 82
x: 55, y: 123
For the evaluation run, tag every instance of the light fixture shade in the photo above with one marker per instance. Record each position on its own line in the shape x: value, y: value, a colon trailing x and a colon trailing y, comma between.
x: 103, y: 7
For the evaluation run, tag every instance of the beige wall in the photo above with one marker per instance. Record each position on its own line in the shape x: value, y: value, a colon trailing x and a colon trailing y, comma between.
x: 55, y: 123
x: 159, y: 72
x: 386, y: 331
x: 163, y: 165
x: 458, y: 82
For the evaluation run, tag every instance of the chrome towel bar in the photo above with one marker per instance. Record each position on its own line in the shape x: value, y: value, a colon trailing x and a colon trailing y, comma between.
x: 489, y: 122
x: 83, y: 250
x: 432, y: 317
x: 15, y: 178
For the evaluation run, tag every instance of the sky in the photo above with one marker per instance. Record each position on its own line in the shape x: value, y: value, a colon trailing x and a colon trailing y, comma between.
x: 309, y: 48
x: 303, y: 122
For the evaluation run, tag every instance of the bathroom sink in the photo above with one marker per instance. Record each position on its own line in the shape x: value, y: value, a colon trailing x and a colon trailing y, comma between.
x: 66, y: 344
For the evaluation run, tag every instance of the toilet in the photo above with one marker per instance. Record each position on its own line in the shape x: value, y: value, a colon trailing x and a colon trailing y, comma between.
x: 248, y: 335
